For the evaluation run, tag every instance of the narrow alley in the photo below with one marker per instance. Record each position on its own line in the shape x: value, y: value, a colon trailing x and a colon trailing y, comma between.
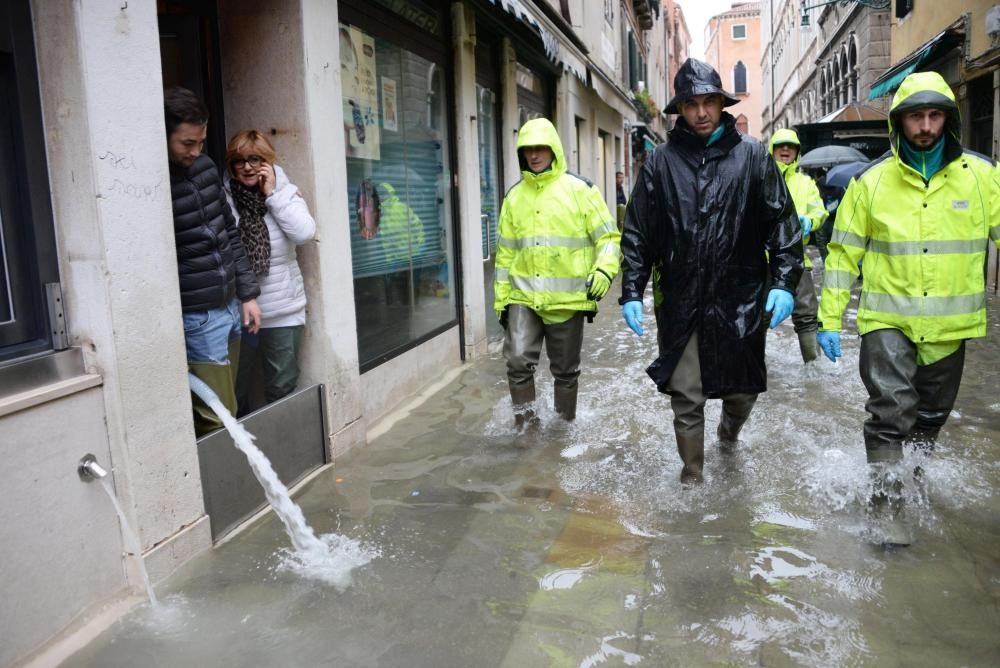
x: 582, y: 549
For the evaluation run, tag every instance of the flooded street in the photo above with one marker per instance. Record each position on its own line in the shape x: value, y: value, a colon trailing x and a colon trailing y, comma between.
x: 582, y: 549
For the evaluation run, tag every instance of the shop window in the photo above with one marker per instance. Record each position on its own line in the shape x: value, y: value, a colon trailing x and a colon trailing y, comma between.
x: 740, y: 78
x: 739, y: 31
x: 29, y: 274
x: 398, y: 175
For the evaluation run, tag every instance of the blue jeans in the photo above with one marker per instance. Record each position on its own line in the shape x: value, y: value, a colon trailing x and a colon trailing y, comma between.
x: 207, y: 333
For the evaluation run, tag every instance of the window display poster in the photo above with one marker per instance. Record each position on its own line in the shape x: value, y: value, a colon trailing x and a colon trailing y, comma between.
x: 389, y: 104
x: 357, y: 70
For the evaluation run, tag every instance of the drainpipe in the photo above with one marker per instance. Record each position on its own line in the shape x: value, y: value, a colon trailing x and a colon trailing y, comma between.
x: 770, y: 58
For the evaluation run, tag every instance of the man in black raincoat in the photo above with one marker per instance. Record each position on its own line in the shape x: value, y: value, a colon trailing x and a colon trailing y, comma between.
x: 711, y: 220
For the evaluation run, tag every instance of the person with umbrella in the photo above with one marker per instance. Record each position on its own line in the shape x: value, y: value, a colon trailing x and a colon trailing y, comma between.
x: 784, y: 146
x: 711, y: 220
x: 921, y: 218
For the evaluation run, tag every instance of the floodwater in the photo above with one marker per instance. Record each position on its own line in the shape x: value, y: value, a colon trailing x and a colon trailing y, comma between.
x: 582, y: 549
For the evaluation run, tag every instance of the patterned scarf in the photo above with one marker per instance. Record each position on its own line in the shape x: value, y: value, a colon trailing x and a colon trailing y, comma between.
x: 251, y: 207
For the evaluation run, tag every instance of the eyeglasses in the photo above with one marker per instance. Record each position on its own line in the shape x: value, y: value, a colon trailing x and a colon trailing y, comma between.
x: 254, y: 160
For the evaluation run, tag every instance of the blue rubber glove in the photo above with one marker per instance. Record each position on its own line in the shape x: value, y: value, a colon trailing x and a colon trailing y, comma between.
x: 632, y: 312
x: 830, y: 343
x: 779, y: 305
x: 807, y: 225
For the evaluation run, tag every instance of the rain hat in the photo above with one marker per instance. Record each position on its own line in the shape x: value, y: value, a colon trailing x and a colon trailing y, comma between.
x: 697, y: 78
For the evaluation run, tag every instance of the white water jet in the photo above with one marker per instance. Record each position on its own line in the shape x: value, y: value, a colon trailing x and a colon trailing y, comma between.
x: 330, y: 558
x: 131, y: 540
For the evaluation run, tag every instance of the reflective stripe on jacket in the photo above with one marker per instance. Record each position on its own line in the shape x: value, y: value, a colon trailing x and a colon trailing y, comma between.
x: 923, y: 243
x: 555, y: 229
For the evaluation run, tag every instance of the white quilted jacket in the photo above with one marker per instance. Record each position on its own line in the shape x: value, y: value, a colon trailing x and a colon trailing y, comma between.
x: 282, y: 298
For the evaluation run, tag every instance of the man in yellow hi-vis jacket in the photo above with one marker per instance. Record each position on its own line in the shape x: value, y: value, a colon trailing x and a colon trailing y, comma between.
x: 921, y: 219
x: 784, y: 146
x: 557, y: 253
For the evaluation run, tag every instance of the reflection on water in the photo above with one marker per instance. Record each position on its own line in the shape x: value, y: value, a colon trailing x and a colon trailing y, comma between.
x: 584, y: 550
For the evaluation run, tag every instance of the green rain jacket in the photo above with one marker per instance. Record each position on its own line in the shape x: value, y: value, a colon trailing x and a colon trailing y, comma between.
x: 555, y: 230
x: 923, y: 242
x: 803, y: 190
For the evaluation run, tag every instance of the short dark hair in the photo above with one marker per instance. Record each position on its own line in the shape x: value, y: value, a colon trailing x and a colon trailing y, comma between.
x: 182, y: 106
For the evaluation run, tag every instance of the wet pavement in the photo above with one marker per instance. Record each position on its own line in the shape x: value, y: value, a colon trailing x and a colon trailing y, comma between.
x: 582, y: 549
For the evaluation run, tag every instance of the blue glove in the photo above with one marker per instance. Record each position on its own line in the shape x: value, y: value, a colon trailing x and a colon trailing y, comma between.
x: 830, y: 343
x: 779, y: 304
x: 632, y: 312
x: 807, y: 225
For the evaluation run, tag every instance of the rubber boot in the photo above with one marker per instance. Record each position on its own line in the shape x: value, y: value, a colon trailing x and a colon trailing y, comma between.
x: 734, y: 416
x: 886, y: 508
x: 808, y: 346
x: 219, y: 378
x: 523, y: 399
x: 691, y: 448
x: 565, y: 402
x: 923, y: 442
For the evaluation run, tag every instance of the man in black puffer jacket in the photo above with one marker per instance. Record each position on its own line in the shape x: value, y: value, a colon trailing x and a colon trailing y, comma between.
x: 218, y: 288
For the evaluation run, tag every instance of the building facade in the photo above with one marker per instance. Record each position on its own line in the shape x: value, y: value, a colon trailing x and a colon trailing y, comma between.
x: 815, y: 62
x: 732, y: 47
x: 417, y: 101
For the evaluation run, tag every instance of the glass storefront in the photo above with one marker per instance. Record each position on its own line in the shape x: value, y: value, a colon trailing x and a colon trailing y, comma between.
x: 398, y: 177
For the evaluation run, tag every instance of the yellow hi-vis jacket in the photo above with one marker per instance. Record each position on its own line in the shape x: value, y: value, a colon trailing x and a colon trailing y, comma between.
x: 555, y: 229
x: 801, y: 187
x: 923, y: 243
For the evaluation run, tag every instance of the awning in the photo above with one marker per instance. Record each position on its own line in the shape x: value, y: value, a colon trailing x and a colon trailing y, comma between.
x: 854, y: 112
x: 944, y: 41
x: 610, y: 94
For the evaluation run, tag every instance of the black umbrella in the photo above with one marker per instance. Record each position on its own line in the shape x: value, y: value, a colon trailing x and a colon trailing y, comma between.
x: 841, y: 175
x: 827, y: 156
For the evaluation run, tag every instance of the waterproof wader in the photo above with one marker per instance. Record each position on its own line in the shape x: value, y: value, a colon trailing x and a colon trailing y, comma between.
x: 523, y: 347
x: 804, y: 316
x: 688, y: 403
x: 221, y: 378
x: 907, y: 402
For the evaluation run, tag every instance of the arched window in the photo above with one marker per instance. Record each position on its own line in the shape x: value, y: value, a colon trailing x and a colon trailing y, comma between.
x: 852, y: 65
x: 835, y: 84
x: 842, y: 83
x: 742, y: 125
x: 739, y: 77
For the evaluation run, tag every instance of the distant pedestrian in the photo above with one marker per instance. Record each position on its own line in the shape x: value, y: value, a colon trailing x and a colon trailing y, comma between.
x: 620, y: 199
x: 711, y: 220
x: 557, y: 254
x: 784, y: 146
x: 921, y: 220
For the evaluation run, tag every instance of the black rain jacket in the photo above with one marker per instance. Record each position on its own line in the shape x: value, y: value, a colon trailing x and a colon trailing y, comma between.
x: 211, y: 265
x: 700, y: 220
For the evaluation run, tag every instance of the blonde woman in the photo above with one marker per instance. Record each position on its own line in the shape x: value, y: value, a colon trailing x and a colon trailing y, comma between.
x: 272, y: 219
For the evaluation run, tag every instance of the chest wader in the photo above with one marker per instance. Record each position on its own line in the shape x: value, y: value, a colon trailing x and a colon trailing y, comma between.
x: 222, y: 379
x: 688, y: 403
x: 526, y: 331
x: 908, y: 404
x: 804, y: 316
